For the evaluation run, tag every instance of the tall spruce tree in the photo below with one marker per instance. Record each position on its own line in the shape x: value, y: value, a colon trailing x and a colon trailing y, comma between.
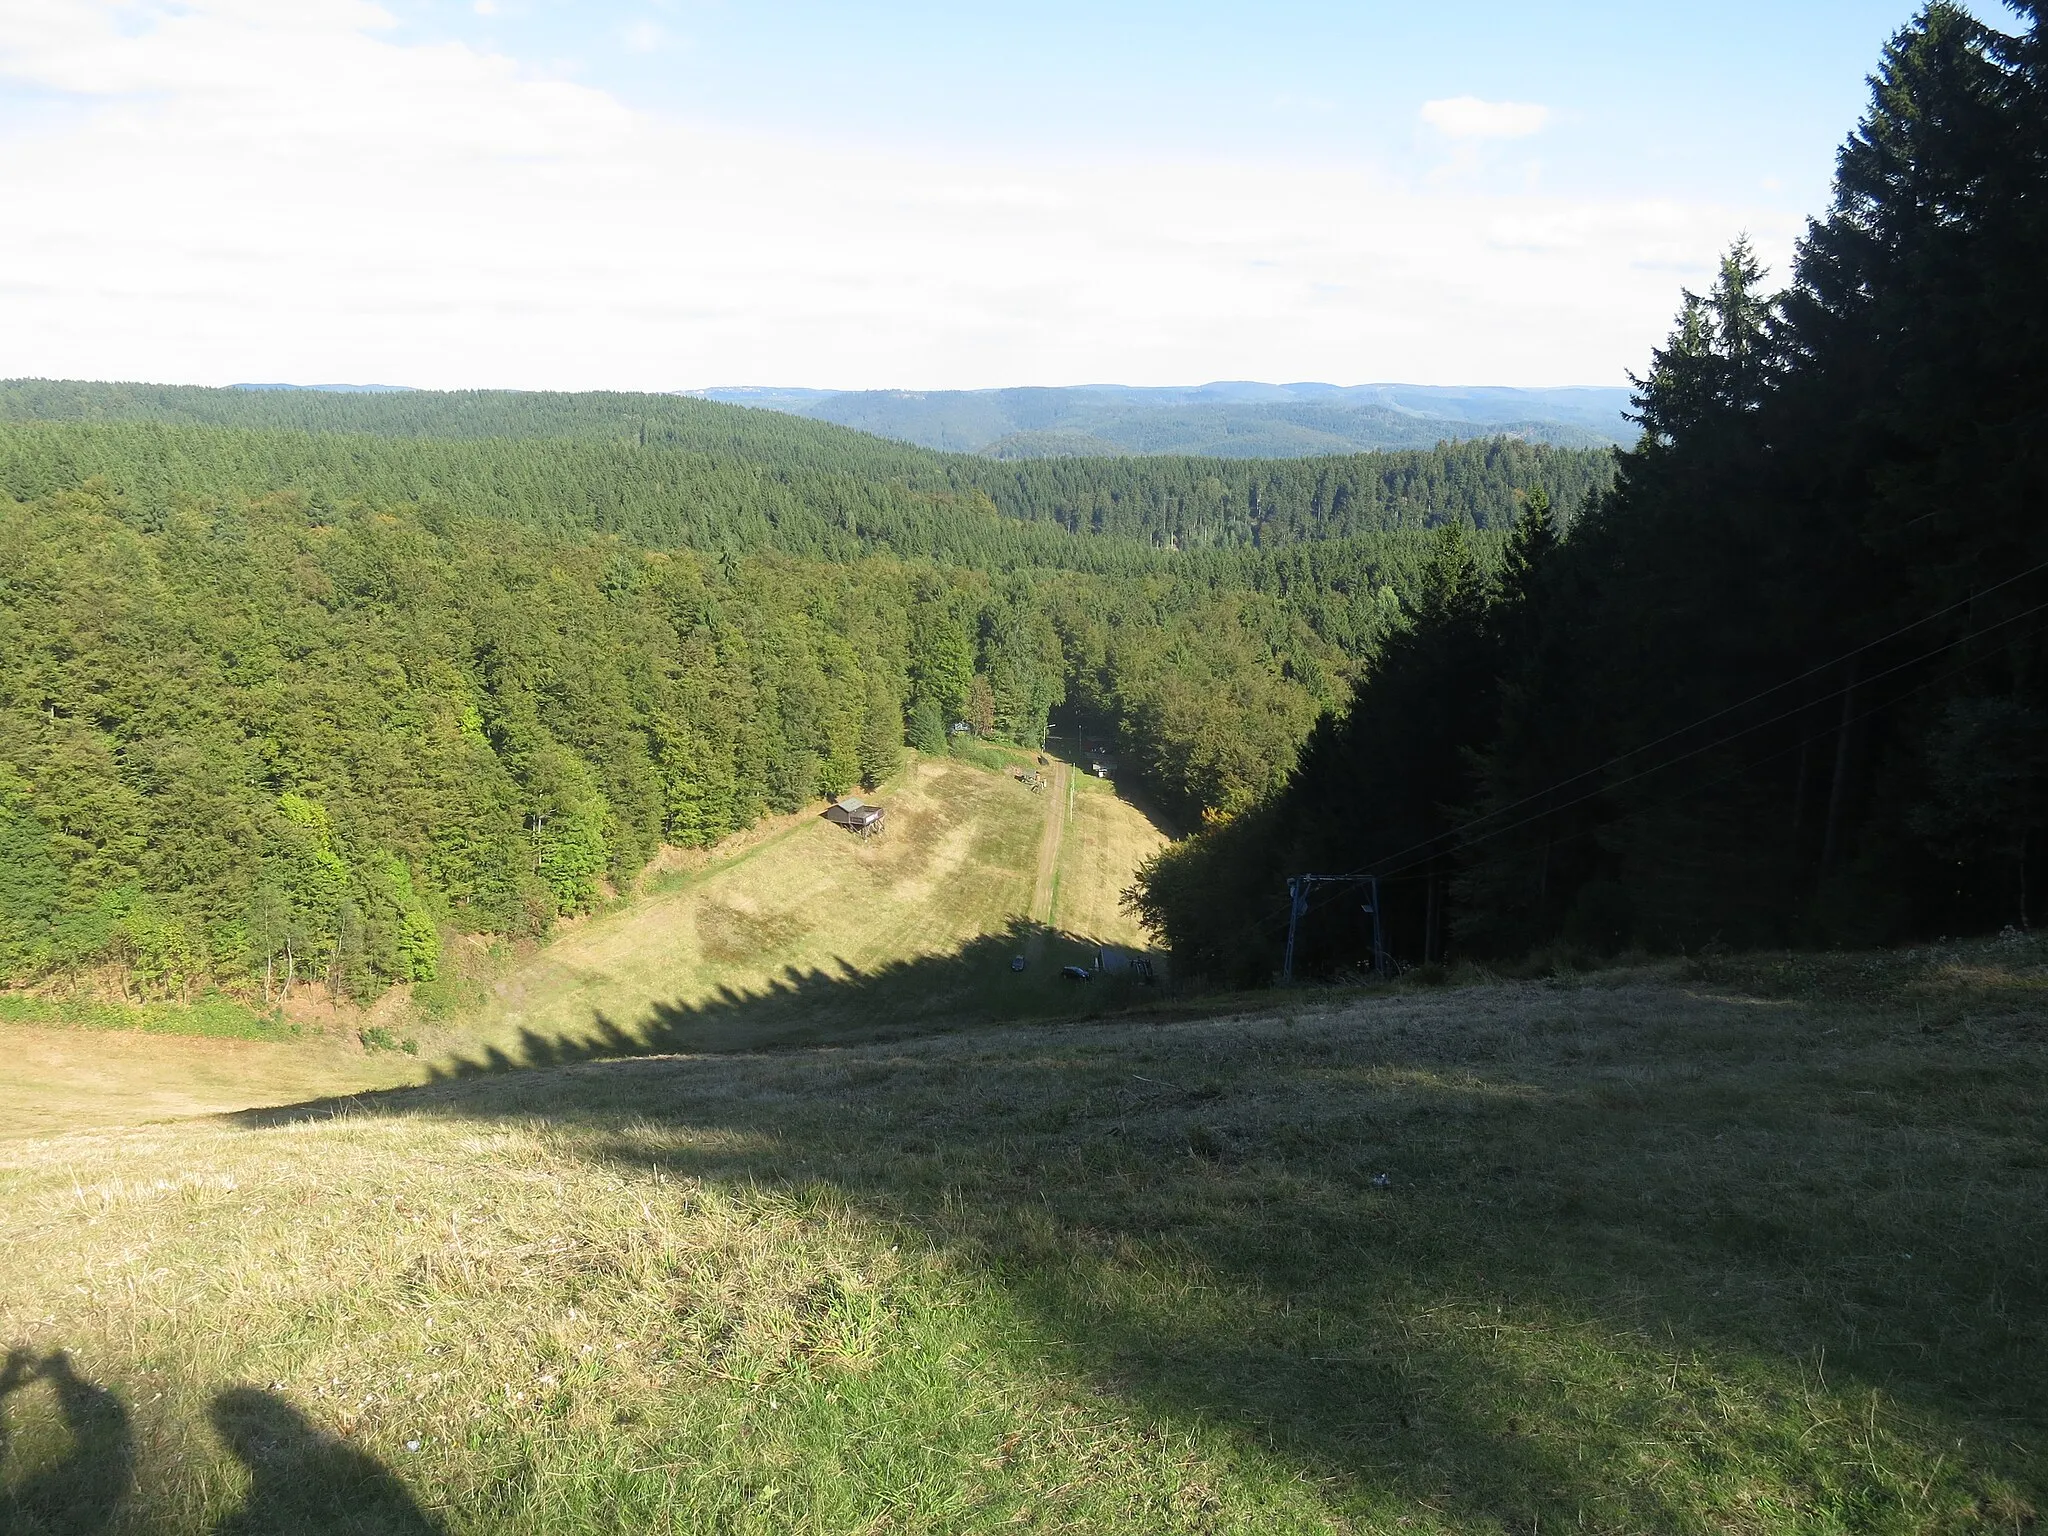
x: 1783, y: 682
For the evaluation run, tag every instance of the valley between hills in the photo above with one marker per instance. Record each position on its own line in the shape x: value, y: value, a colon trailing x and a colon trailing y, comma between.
x: 794, y: 932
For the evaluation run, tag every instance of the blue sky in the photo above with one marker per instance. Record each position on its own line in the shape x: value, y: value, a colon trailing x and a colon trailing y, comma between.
x: 671, y: 193
x: 1724, y: 101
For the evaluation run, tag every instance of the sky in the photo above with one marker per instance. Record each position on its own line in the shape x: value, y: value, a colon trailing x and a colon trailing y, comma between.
x: 671, y: 194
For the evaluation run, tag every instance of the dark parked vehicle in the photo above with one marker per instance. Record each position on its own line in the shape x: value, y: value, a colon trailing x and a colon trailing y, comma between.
x: 1074, y: 972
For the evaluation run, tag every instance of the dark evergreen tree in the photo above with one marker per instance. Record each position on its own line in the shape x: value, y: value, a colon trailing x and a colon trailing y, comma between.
x: 1783, y: 682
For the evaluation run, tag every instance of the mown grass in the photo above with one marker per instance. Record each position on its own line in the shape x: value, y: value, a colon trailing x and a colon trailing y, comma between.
x: 1942, y: 980
x: 814, y: 935
x: 67, y: 1079
x: 215, y: 1017
x: 1626, y: 1254
x: 1106, y: 841
x: 991, y: 756
x: 794, y: 932
x: 955, y: 862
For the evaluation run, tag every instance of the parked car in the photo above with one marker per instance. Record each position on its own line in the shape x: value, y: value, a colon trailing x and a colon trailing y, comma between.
x: 1074, y: 972
x: 1016, y: 962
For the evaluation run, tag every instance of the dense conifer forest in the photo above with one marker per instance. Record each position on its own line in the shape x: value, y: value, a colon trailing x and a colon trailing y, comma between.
x: 1787, y: 681
x: 303, y: 682
x: 658, y: 468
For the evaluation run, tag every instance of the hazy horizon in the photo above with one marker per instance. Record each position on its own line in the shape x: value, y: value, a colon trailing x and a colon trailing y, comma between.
x: 710, y: 390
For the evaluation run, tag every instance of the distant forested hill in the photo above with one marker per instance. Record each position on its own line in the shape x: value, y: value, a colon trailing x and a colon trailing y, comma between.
x: 662, y: 470
x: 1210, y: 421
x: 655, y: 496
x: 703, y: 426
x: 1267, y: 502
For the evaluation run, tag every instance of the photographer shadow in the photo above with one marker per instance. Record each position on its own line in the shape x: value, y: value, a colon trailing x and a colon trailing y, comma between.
x: 82, y: 1491
x: 303, y: 1479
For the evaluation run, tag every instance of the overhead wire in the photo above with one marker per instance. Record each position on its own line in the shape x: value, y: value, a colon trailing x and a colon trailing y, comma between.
x: 1672, y: 799
x: 1786, y: 751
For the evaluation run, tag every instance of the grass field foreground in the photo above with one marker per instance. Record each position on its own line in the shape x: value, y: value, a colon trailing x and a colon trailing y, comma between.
x: 1624, y: 1254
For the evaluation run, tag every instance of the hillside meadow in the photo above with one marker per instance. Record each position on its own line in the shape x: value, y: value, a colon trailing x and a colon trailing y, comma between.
x: 771, y: 1198
x: 804, y: 933
x: 820, y: 936
x: 1754, y: 1245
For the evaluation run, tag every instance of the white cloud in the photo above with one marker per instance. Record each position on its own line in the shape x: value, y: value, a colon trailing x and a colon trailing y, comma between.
x: 1467, y: 117
x: 257, y: 191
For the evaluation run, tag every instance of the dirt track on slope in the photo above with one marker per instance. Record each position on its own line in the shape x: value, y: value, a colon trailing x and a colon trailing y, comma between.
x: 1062, y: 791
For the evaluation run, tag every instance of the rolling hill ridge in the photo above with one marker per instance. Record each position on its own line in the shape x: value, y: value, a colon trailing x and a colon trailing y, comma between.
x: 1223, y: 420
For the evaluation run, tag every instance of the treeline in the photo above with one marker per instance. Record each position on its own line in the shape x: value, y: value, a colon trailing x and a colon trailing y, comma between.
x: 242, y: 738
x: 1198, y: 503
x: 769, y: 438
x: 296, y: 680
x: 1787, y: 682
x: 641, y: 462
x: 654, y: 496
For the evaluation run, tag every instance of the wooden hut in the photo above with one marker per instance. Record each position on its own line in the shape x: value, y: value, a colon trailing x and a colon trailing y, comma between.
x: 855, y: 815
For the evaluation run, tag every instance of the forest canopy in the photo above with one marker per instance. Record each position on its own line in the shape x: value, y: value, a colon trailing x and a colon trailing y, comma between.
x: 298, y: 681
x: 660, y: 469
x: 302, y: 673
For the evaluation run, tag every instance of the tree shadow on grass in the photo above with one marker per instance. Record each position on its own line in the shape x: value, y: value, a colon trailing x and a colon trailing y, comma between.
x: 81, y: 1491
x: 846, y: 1005
x: 1432, y: 1255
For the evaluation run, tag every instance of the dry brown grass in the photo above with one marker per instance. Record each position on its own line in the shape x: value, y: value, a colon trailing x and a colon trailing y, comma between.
x: 955, y: 863
x: 58, y: 1080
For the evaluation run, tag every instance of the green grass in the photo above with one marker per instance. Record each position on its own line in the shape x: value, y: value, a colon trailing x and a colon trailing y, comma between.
x: 809, y: 935
x: 216, y: 1017
x: 1651, y: 1253
x: 1107, y: 840
x: 996, y: 757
